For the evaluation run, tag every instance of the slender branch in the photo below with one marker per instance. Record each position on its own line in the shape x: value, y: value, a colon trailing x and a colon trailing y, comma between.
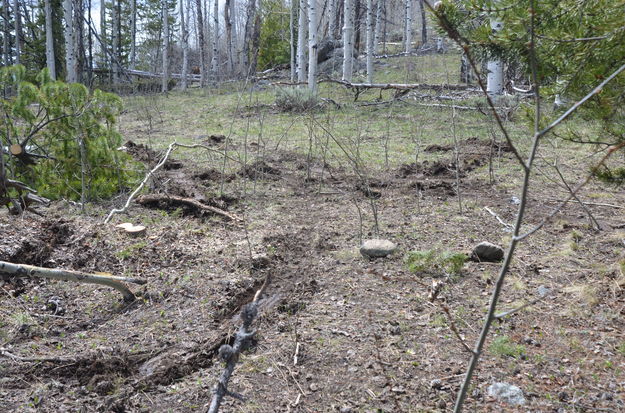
x: 142, y: 184
x: 230, y: 354
x: 572, y: 193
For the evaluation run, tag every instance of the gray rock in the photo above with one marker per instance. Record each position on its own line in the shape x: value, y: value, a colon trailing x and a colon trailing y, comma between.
x: 507, y: 393
x: 377, y: 248
x: 485, y: 251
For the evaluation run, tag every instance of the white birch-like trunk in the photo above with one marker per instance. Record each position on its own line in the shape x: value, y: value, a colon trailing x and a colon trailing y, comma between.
x: 184, y: 40
x: 70, y: 52
x: 18, y: 32
x: 49, y: 40
x: 494, y: 80
x: 115, y: 39
x: 228, y: 27
x: 378, y: 26
x: 332, y: 8
x: 133, y: 33
x: 301, y: 41
x: 215, y: 59
x: 293, y: 13
x: 201, y: 42
x: 370, y: 45
x: 312, y: 45
x: 6, y: 48
x: 348, y: 40
x: 234, y: 50
x: 165, y: 84
x: 408, y: 28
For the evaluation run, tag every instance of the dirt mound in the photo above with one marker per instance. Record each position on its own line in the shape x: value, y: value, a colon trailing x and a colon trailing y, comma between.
x: 471, y: 146
x: 259, y: 169
x: 149, y: 156
x: 441, y: 169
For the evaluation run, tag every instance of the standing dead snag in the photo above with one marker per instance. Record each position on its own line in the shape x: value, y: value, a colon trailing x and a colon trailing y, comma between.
x: 230, y: 354
x: 23, y: 270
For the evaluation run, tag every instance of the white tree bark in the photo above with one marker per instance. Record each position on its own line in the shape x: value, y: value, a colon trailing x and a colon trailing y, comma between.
x: 18, y: 32
x: 293, y: 13
x: 184, y: 40
x: 312, y: 45
x: 6, y: 48
x: 228, y: 18
x: 378, y: 26
x: 332, y: 8
x: 494, y: 80
x: 133, y: 34
x: 408, y: 28
x: 165, y: 13
x: 49, y: 41
x: 234, y: 50
x: 201, y: 42
x: 370, y: 45
x: 348, y: 40
x: 70, y: 52
x: 115, y: 38
x: 215, y: 59
x: 301, y: 42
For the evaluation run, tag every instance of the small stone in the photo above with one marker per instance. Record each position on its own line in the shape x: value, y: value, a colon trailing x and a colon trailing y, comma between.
x: 346, y: 409
x: 398, y: 390
x: 507, y: 393
x: 487, y: 252
x: 313, y: 387
x: 377, y: 248
x: 436, y: 384
x: 395, y: 330
x: 442, y: 404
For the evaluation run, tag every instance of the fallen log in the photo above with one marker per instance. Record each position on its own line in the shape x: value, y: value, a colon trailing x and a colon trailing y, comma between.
x: 175, y: 201
x: 24, y: 270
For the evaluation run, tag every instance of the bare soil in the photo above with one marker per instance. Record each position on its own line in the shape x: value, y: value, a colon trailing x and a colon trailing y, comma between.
x: 336, y: 332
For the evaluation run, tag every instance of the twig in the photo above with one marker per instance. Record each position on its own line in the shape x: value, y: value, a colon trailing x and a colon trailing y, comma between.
x: 454, y: 329
x: 296, y: 355
x: 521, y: 307
x: 230, y: 354
x: 501, y: 221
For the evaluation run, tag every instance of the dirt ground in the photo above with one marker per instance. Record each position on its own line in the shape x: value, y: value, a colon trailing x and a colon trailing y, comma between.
x: 336, y: 331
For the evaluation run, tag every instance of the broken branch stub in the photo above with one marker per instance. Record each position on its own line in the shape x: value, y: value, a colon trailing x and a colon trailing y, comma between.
x: 24, y: 270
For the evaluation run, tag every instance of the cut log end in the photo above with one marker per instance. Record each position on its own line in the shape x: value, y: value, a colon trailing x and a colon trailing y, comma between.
x: 131, y: 229
x: 16, y: 149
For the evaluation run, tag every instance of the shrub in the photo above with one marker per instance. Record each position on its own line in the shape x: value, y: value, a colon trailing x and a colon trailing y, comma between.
x: 67, y: 135
x: 296, y: 100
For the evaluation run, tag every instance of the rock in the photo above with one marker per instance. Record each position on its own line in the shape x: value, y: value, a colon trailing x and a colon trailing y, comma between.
x: 325, y: 49
x: 487, y: 252
x: 377, y: 248
x: 507, y: 393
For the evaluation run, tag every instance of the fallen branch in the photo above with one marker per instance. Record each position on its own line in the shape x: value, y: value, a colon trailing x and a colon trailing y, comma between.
x: 178, y: 201
x: 24, y: 270
x: 158, y: 166
x: 396, y: 86
x: 142, y: 184
x: 230, y: 354
x: 501, y: 221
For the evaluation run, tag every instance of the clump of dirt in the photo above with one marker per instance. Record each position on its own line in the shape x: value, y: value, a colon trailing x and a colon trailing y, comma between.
x: 471, y: 145
x: 442, y: 169
x: 212, y: 139
x: 149, y: 156
x: 212, y: 175
x: 259, y: 169
x: 36, y: 247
